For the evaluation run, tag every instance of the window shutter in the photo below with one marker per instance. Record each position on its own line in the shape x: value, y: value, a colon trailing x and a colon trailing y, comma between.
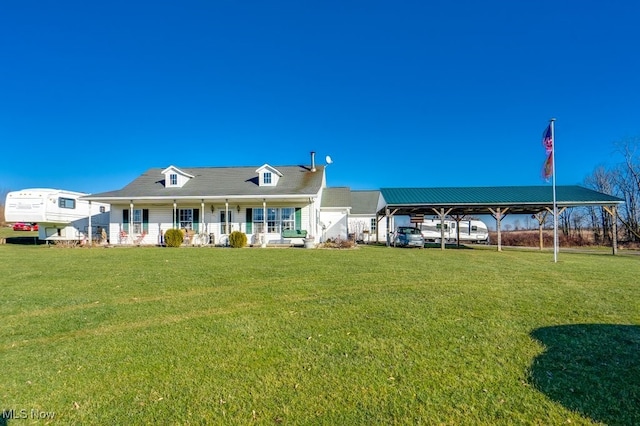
x: 145, y: 221
x: 125, y: 220
x: 249, y: 220
x: 298, y: 218
x: 196, y: 220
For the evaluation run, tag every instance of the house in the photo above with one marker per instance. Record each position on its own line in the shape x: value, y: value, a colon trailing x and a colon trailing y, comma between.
x: 271, y: 204
x: 364, y: 222
x: 346, y: 213
x: 334, y: 213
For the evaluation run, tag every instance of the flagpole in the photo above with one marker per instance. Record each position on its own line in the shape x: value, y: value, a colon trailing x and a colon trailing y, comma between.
x: 555, y: 207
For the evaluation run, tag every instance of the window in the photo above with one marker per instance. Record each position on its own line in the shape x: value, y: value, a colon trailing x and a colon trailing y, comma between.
x: 186, y: 218
x: 374, y: 225
x: 258, y: 221
x: 102, y: 209
x: 288, y: 218
x: 474, y: 228
x: 278, y: 220
x: 273, y: 220
x: 173, y: 179
x: 267, y: 178
x: 225, y: 227
x: 66, y: 203
x: 137, y: 221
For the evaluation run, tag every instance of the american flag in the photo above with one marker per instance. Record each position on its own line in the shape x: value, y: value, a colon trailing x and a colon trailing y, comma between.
x: 547, y: 142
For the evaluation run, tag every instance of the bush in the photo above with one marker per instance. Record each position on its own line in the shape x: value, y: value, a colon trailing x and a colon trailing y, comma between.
x: 173, y: 238
x: 237, y: 239
x: 338, y: 243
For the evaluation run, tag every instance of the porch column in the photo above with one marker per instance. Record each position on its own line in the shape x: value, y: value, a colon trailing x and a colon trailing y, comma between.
x: 175, y: 226
x: 201, y: 230
x: 226, y: 217
x: 130, y: 217
x: 264, y: 222
x: 89, y: 230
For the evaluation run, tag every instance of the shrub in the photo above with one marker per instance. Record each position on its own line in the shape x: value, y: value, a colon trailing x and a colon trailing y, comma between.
x: 173, y: 238
x: 338, y: 243
x: 237, y: 239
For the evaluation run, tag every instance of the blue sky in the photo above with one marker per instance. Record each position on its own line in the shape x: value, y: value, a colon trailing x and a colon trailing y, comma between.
x: 403, y: 93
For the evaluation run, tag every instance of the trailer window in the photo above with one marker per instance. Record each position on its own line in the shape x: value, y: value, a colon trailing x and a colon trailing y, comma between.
x: 66, y: 203
x: 474, y: 228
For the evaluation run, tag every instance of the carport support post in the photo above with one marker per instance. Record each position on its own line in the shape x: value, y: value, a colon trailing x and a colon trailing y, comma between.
x: 442, y: 215
x: 387, y: 214
x: 458, y: 218
x: 498, y: 215
x: 614, y: 228
x: 540, y: 216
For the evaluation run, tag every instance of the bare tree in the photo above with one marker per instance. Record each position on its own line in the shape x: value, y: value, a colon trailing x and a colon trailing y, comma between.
x: 628, y: 184
x: 601, y: 180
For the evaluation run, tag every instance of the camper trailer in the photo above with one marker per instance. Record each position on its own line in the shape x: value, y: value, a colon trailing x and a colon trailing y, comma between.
x: 61, y: 215
x: 471, y: 231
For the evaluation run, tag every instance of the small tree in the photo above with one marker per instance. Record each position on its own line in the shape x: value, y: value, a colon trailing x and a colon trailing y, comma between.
x: 173, y: 238
x: 237, y: 239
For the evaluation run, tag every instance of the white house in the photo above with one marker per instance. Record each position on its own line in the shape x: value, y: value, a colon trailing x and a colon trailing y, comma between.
x: 364, y: 221
x: 271, y: 204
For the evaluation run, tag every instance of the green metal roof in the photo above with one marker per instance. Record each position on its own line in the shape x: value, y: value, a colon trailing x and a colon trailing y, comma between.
x: 523, y: 199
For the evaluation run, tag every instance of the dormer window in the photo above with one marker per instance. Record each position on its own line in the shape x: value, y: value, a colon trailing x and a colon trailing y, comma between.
x: 175, y: 178
x: 268, y: 176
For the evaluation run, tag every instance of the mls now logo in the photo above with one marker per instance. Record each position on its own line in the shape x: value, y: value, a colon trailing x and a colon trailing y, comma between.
x: 14, y: 414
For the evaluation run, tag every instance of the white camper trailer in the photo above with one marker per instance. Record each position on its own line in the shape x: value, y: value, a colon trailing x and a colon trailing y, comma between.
x: 471, y: 231
x: 61, y: 215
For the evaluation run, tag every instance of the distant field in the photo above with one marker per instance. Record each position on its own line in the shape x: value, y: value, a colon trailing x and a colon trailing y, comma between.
x: 374, y: 335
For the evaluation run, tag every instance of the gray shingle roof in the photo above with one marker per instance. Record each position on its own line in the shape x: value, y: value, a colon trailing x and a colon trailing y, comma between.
x: 336, y: 197
x: 364, y: 202
x: 221, y: 182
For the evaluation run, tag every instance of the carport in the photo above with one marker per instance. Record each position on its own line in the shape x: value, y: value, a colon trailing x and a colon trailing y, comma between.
x: 498, y: 201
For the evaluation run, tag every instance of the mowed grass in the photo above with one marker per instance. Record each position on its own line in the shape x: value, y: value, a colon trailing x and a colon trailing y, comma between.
x: 374, y: 335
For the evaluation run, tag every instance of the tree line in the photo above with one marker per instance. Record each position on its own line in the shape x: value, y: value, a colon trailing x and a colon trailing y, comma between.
x: 621, y: 180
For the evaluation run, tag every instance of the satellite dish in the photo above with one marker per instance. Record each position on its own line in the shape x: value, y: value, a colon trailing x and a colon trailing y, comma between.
x: 328, y: 159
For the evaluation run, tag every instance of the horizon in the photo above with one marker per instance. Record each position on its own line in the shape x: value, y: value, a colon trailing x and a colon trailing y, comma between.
x: 403, y: 95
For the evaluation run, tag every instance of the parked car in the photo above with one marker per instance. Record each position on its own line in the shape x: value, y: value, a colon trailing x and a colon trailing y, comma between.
x: 407, y: 236
x: 21, y: 226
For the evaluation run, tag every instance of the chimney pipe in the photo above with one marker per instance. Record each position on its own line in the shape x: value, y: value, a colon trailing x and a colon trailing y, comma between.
x: 313, y: 161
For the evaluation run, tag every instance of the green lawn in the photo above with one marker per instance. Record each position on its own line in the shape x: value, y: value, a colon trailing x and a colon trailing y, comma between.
x: 374, y: 335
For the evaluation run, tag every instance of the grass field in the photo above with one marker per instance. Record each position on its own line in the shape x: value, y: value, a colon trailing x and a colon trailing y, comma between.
x: 291, y: 336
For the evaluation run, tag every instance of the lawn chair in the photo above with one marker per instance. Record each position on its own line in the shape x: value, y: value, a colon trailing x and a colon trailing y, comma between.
x: 140, y: 238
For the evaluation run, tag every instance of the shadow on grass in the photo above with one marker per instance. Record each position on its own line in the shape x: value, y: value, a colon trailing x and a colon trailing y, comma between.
x: 24, y: 241
x: 593, y: 369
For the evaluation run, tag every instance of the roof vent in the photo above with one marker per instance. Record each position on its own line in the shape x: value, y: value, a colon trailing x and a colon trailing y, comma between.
x: 313, y: 161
